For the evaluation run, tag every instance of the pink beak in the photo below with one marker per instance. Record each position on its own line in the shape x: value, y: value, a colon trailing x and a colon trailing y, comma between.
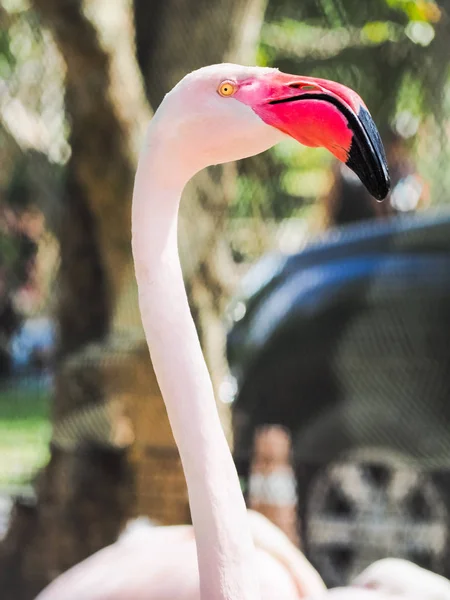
x: 318, y: 112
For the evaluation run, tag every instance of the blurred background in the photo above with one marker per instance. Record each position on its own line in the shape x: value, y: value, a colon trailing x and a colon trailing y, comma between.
x: 323, y: 314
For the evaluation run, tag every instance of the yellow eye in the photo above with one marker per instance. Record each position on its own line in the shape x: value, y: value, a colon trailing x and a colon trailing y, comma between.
x: 226, y: 88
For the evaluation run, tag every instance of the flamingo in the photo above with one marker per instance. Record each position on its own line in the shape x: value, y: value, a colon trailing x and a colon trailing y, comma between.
x: 402, y: 577
x: 394, y: 579
x: 214, y: 115
x: 351, y: 593
x: 159, y: 563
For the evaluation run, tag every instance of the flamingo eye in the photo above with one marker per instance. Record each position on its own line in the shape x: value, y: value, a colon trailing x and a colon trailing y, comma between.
x: 227, y: 88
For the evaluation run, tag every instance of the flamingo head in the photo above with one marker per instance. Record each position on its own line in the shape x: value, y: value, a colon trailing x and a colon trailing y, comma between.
x: 226, y: 112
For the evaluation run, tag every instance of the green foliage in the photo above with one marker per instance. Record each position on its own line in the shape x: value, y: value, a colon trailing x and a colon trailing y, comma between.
x: 393, y: 52
x: 417, y: 10
x: 24, y: 432
x: 7, y: 59
x: 9, y: 251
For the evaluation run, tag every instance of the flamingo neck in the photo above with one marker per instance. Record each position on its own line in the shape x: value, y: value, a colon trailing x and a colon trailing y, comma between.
x: 226, y: 555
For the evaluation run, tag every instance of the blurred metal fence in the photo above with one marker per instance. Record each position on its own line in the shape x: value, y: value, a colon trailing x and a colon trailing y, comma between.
x: 394, y: 53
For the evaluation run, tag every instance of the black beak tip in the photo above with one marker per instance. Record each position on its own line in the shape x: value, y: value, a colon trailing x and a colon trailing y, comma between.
x: 374, y: 175
x: 383, y: 187
x: 367, y: 157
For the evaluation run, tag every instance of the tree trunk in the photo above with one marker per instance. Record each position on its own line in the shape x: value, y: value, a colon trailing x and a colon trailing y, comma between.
x: 86, y: 492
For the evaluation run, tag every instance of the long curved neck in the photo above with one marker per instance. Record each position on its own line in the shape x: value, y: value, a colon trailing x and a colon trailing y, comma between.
x: 224, y: 546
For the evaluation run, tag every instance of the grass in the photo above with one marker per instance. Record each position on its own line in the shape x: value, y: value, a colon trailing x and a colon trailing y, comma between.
x: 24, y: 431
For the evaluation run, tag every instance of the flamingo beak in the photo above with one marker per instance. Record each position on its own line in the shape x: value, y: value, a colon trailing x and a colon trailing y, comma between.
x: 318, y: 112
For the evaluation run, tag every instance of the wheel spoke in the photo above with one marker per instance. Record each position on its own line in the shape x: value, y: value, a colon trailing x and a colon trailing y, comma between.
x: 428, y: 537
x: 402, y: 483
x: 330, y: 531
x: 350, y: 479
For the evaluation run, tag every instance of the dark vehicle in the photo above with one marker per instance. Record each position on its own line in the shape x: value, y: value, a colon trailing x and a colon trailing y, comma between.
x: 347, y: 344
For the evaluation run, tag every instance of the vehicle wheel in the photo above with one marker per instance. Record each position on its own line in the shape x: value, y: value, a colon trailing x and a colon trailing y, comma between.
x: 367, y: 507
